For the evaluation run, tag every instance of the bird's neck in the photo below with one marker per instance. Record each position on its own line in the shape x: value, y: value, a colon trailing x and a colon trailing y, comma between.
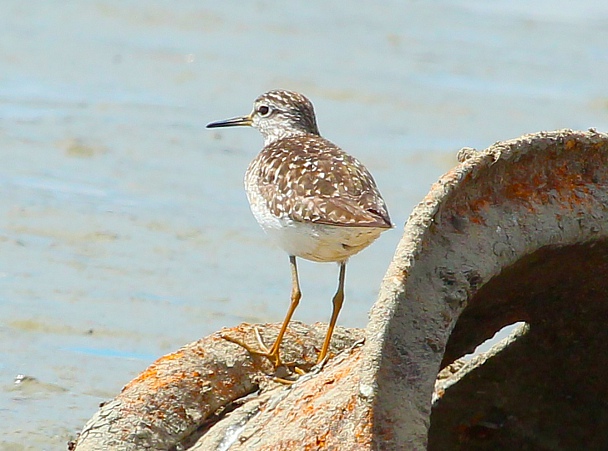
x: 274, y: 135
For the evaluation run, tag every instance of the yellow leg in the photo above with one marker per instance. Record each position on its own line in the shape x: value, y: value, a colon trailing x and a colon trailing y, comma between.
x: 337, y: 302
x: 273, y: 353
x: 296, y: 295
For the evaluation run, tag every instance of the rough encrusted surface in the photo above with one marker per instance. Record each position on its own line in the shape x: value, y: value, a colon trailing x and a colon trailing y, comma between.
x: 497, y: 207
x: 168, y: 403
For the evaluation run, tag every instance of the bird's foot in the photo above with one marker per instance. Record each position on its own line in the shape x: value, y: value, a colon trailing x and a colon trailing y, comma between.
x: 271, y: 354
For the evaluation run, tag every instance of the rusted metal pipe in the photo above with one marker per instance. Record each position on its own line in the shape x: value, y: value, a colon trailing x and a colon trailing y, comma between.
x: 516, y: 232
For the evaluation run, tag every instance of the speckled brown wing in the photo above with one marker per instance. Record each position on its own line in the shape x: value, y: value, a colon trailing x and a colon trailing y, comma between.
x: 309, y: 179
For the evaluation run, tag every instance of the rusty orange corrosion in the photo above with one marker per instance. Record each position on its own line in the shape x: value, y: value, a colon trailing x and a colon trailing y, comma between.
x: 537, y: 182
x: 324, y: 431
x: 150, y: 375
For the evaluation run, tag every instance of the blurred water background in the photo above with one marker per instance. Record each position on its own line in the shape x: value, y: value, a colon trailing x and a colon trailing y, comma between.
x: 124, y: 228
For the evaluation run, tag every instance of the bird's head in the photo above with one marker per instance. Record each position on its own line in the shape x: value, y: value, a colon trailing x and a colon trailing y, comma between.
x: 277, y: 114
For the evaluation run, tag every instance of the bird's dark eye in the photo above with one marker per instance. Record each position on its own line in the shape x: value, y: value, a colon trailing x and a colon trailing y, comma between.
x: 263, y: 110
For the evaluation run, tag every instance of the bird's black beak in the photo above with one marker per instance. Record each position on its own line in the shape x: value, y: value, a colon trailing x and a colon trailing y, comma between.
x: 234, y: 122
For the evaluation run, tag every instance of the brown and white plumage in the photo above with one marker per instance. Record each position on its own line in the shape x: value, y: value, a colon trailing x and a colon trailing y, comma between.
x: 312, y: 198
x: 309, y: 179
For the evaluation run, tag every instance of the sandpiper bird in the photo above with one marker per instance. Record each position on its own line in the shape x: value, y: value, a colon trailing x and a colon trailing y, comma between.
x: 312, y: 198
